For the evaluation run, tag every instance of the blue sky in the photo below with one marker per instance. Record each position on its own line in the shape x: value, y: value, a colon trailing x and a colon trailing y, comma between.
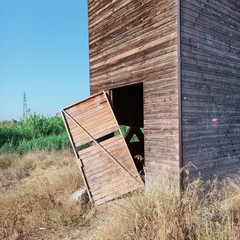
x: 43, y: 52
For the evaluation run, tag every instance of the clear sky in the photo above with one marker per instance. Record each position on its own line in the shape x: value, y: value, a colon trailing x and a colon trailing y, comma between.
x: 43, y: 52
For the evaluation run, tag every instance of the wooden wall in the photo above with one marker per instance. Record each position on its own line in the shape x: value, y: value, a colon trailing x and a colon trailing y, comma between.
x: 133, y: 41
x: 210, y: 49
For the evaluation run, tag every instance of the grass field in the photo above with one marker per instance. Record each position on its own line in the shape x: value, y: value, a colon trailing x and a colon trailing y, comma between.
x: 154, y: 215
x: 38, y: 174
x: 35, y: 192
x: 35, y: 204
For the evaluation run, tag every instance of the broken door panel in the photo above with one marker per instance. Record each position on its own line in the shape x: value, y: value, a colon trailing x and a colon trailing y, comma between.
x: 105, y: 162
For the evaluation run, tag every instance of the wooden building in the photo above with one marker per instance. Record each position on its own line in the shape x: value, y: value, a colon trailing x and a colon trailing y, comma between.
x: 181, y: 59
x: 172, y: 67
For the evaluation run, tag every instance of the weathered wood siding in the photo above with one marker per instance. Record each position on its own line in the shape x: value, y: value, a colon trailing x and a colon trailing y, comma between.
x: 210, y: 48
x: 107, y: 167
x: 133, y: 41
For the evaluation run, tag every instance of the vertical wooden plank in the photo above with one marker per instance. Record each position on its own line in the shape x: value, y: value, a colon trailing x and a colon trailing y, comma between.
x: 78, y: 160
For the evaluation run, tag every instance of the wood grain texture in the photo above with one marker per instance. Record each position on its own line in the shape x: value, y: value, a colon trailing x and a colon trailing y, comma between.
x: 132, y: 42
x: 107, y: 166
x: 87, y: 114
x: 210, y: 49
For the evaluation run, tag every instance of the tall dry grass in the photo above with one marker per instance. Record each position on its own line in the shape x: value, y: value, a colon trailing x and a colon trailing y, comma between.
x: 34, y: 195
x: 35, y: 204
x: 199, y: 214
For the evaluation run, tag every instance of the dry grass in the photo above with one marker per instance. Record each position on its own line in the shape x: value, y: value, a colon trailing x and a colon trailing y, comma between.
x: 199, y: 214
x: 34, y: 204
x: 34, y: 195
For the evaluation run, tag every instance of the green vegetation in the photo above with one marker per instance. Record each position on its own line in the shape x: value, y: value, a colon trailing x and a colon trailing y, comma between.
x: 35, y: 190
x: 38, y: 174
x: 34, y: 133
x: 124, y: 129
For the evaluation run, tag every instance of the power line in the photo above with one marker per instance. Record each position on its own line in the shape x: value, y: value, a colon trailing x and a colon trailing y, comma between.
x: 24, y: 106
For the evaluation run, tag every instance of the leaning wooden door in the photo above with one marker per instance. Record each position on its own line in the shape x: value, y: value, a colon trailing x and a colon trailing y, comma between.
x: 102, y: 155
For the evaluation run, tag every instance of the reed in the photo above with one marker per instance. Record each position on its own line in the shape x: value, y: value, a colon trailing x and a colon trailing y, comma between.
x: 34, y: 133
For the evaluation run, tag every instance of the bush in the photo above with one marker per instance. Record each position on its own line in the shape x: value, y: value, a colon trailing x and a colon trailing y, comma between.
x: 34, y: 133
x: 49, y: 143
x: 39, y: 126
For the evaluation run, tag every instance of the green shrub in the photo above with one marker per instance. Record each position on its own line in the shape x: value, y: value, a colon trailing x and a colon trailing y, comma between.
x: 34, y: 133
x: 49, y: 143
x: 39, y: 126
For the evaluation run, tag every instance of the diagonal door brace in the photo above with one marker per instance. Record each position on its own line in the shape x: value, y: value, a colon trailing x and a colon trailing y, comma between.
x: 100, y: 146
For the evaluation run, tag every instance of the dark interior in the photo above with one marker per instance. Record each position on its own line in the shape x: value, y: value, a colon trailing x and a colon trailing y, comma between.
x: 127, y: 104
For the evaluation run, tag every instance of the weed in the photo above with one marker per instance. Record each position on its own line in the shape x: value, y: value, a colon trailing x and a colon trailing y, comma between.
x: 34, y: 133
x: 198, y: 214
x: 38, y: 202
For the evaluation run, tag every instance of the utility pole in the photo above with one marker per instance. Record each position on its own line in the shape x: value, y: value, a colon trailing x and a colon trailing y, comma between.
x: 24, y: 106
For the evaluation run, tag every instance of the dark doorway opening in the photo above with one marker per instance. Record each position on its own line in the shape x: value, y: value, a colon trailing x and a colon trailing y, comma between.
x: 127, y: 104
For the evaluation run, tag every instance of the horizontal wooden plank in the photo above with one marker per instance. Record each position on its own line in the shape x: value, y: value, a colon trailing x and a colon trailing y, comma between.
x: 114, y: 187
x: 115, y: 195
x: 210, y: 86
x: 105, y: 162
x: 100, y: 162
x: 100, y: 166
x: 134, y: 42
